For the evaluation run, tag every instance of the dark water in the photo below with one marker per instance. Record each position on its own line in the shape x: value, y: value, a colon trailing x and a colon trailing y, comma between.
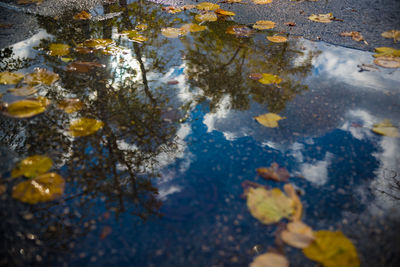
x: 161, y: 183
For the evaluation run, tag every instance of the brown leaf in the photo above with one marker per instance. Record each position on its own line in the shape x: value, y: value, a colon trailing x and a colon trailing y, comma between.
x: 82, y: 66
x: 298, y: 207
x: 356, y: 36
x: 82, y: 15
x: 298, y: 234
x: 388, y: 62
x: 274, y: 173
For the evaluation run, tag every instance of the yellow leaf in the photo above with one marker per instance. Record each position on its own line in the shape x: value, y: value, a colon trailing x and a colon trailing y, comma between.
x: 385, y: 128
x: 386, y: 52
x: 59, y: 49
x: 33, y: 166
x: 70, y: 105
x: 262, y: 2
x: 264, y: 25
x: 325, y: 18
x: 332, y: 249
x: 208, y: 16
x: 187, y: 7
x: 395, y: 34
x: 269, y: 119
x: 7, y: 77
x: 172, y: 32
x: 97, y: 43
x: 3, y: 189
x: 231, y: 1
x: 192, y: 27
x: 66, y: 59
x: 268, y: 78
x: 23, y: 91
x: 269, y: 206
x: 82, y: 15
x: 297, y: 206
x: 141, y: 27
x: 298, y: 235
x: 134, y: 36
x: 41, y: 76
x: 388, y: 62
x: 172, y: 9
x: 84, y: 127
x: 43, y: 188
x: 270, y: 259
x: 277, y: 39
x: 27, y: 108
x: 224, y: 12
x: 27, y: 2
x: 207, y: 6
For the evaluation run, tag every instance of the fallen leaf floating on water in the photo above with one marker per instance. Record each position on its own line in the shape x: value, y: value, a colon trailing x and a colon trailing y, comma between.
x: 264, y: 25
x: 83, y: 67
x: 187, y: 7
x: 208, y: 16
x: 172, y: 32
x: 41, y: 76
x: 262, y: 2
x: 133, y: 35
x: 387, y: 52
x: 23, y: 91
x: 268, y: 78
x: 7, y: 77
x: 84, y: 126
x: 84, y: 15
x: 269, y: 119
x: 27, y: 108
x: 255, y: 76
x: 70, y: 105
x: 356, y: 36
x: 269, y: 206
x: 112, y: 50
x: 224, y: 12
x: 388, y: 62
x: 96, y: 43
x: 32, y: 166
x: 141, y: 27
x: 231, y: 1
x: 270, y: 259
x: 43, y: 188
x: 27, y: 2
x: 59, y: 49
x: 297, y: 206
x: 298, y: 235
x: 277, y: 39
x: 240, y: 31
x: 193, y: 27
x: 332, y: 249
x: 274, y: 173
x: 385, y: 128
x: 392, y: 34
x: 324, y: 18
x: 172, y: 9
x: 207, y: 6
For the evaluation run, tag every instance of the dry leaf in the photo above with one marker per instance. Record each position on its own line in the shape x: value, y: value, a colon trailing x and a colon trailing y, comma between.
x: 172, y: 32
x: 193, y: 27
x: 264, y: 25
x: 32, y: 166
x: 388, y: 62
x: 274, y: 173
x: 41, y: 76
x: 96, y: 43
x: 268, y: 78
x: 262, y: 2
x: 59, y: 49
x: 298, y: 235
x: 255, y: 76
x: 43, y: 188
x: 395, y: 34
x: 325, y: 18
x: 82, y: 15
x: 269, y: 119
x: 27, y: 2
x: 7, y: 77
x: 387, y: 52
x: 208, y: 16
x: 385, y: 128
x: 277, y: 39
x: 83, y: 67
x: 133, y: 35
x: 84, y: 127
x: 207, y: 6
x: 172, y: 9
x: 270, y: 259
x: 23, y: 91
x: 27, y: 108
x: 141, y: 27
x: 224, y: 12
x: 356, y: 36
x: 332, y: 249
x: 70, y: 105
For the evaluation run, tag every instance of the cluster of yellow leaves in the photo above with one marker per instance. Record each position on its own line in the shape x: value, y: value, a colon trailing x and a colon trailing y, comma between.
x: 387, y: 57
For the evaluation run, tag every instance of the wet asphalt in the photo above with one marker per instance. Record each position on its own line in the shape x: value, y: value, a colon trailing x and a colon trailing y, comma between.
x: 370, y: 17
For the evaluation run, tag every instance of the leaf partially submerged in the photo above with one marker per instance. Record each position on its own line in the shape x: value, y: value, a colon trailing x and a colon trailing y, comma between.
x: 274, y: 173
x: 385, y: 128
x: 324, y: 18
x: 224, y: 12
x: 27, y: 108
x: 356, y: 36
x: 387, y: 52
x: 7, y: 77
x: 193, y: 27
x: 208, y: 16
x: 270, y: 259
x: 298, y: 235
x: 332, y: 249
x: 207, y: 6
x: 133, y: 35
x: 83, y: 15
x: 262, y: 2
x: 388, y: 62
x: 70, y: 105
x: 240, y: 31
x: 59, y: 49
x: 23, y: 91
x: 269, y: 119
x: 83, y: 67
x: 41, y: 76
x: 84, y: 126
x: 172, y: 9
x: 392, y: 34
x: 172, y: 32
x: 43, y: 188
x: 269, y: 206
x: 32, y: 166
x: 268, y: 78
x: 277, y: 39
x: 97, y: 43
x: 264, y: 25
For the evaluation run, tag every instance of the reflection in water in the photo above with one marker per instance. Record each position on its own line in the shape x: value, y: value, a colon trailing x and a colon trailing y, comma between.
x: 168, y: 163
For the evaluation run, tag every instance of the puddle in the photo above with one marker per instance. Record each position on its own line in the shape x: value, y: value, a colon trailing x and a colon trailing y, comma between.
x: 160, y: 184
